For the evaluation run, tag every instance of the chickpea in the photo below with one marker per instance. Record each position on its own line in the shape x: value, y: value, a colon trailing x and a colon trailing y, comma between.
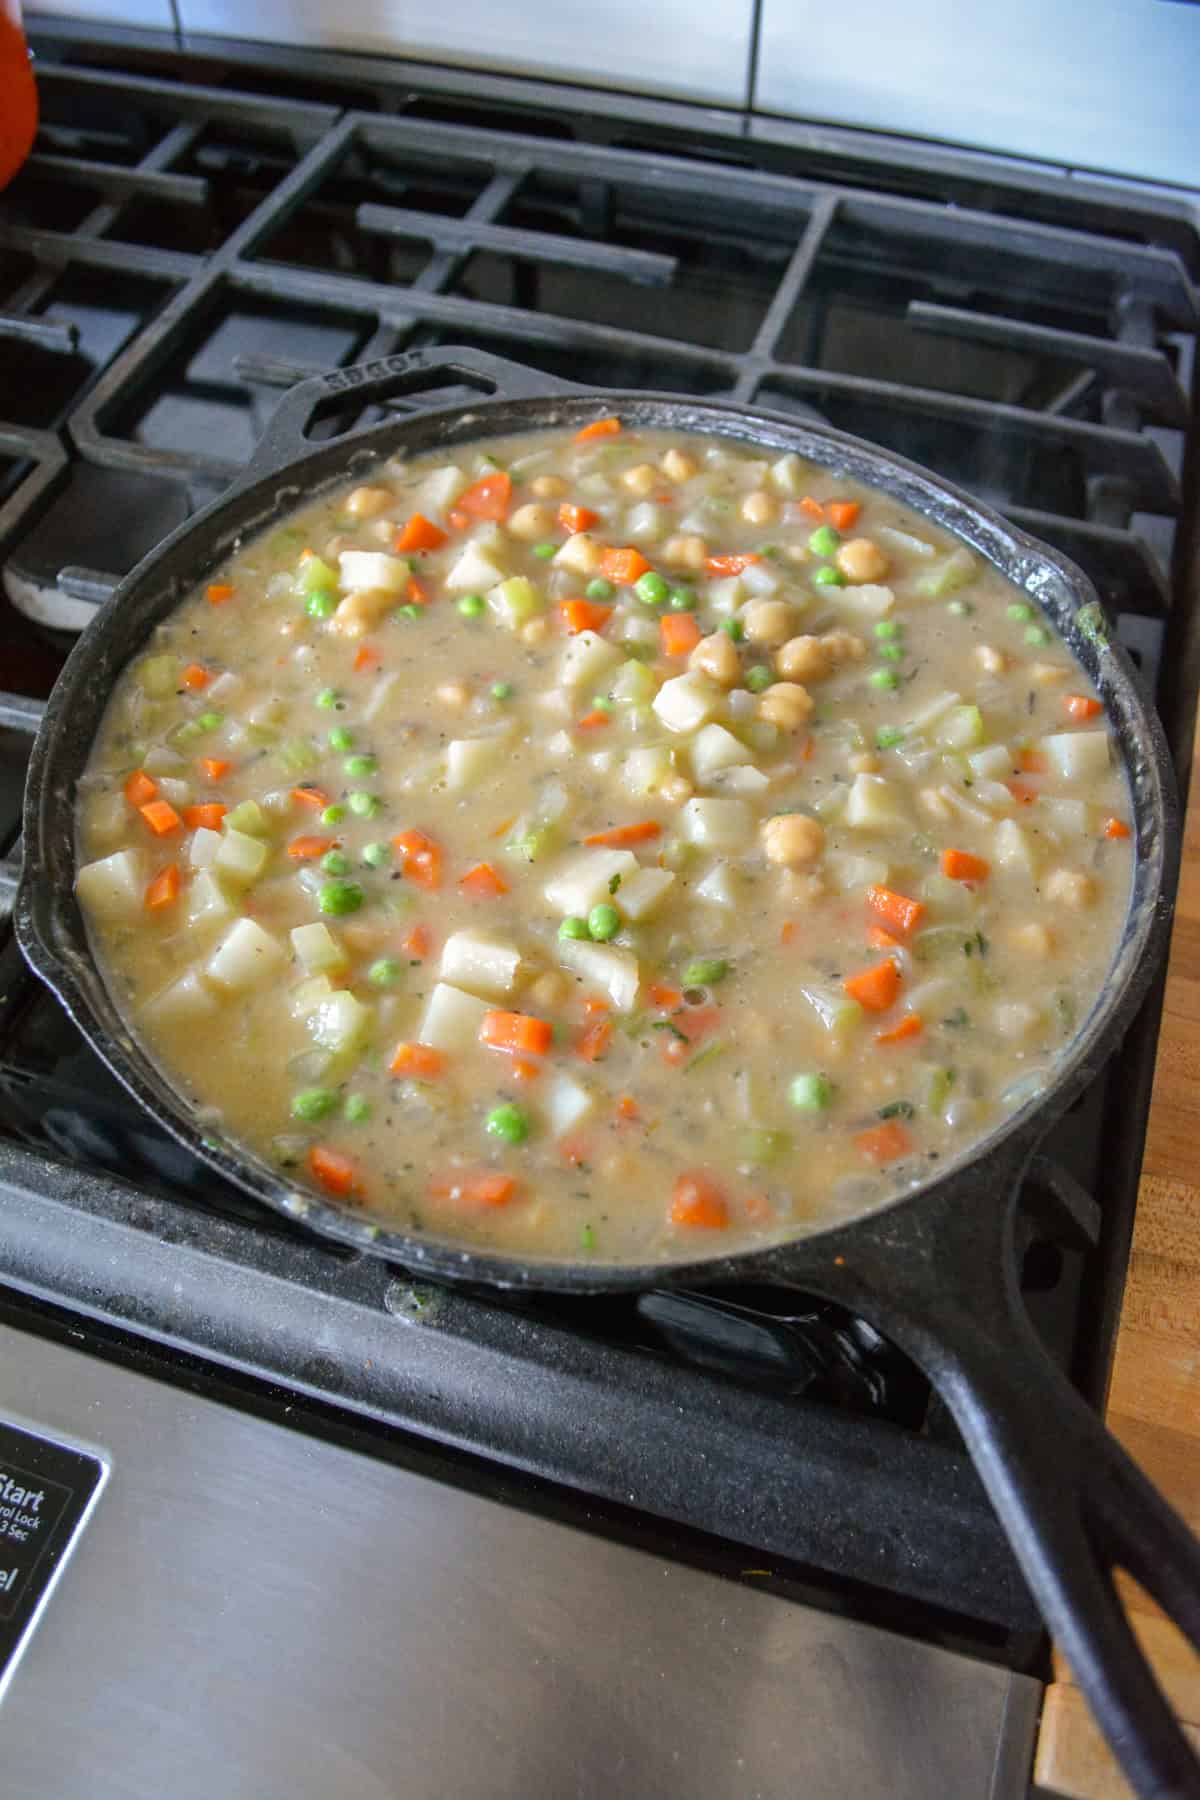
x: 758, y: 508
x: 641, y: 480
x: 991, y: 660
x: 792, y: 840
x: 1047, y: 674
x: 718, y: 658
x: 382, y: 530
x: 453, y: 694
x: 865, y: 763
x: 358, y: 613
x: 786, y: 705
x: 1071, y: 887
x: 581, y: 554
x: 550, y: 989
x: 532, y: 521
x: 843, y: 646
x: 803, y: 659
x: 1033, y: 940
x: 534, y: 631
x: 768, y: 622
x: 686, y: 552
x: 677, y: 466
x: 548, y: 487
x: 365, y: 502
x: 861, y: 559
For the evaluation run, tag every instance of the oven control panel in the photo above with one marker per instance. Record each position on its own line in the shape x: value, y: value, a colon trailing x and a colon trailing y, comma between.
x: 47, y: 1492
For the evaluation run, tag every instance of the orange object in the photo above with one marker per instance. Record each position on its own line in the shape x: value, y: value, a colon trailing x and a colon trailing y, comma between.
x: 161, y: 817
x: 335, y: 1173
x: 521, y: 1070
x: 910, y: 1026
x: 884, y: 1143
x: 666, y: 998
x: 306, y: 849
x: 695, y: 1022
x: 313, y: 796
x: 417, y: 942
x: 875, y: 988
x: 519, y: 1033
x: 478, y: 1187
x: 420, y: 858
x: 843, y: 513
x: 594, y: 1040
x: 205, y: 817
x: 1081, y: 707
x: 140, y: 788
x: 678, y: 633
x: 627, y: 1109
x: 418, y: 1060
x: 732, y: 564
x: 1031, y: 762
x: 196, y: 677
x: 597, y: 429
x: 621, y: 836
x: 483, y: 883
x: 812, y: 507
x: 583, y: 615
x: 419, y: 533
x: 1116, y: 828
x: 1024, y: 792
x: 213, y: 767
x: 488, y: 498
x: 416, y: 593
x: 623, y: 567
x: 366, y: 657
x: 695, y: 1200
x: 218, y: 592
x: 593, y: 1006
x: 164, y: 889
x: 897, y: 911
x: 576, y: 518
x: 457, y: 521
x: 879, y: 939
x: 595, y: 720
x: 960, y: 865
x: 18, y: 95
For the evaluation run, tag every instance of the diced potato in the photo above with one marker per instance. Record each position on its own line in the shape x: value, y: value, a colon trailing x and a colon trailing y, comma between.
x: 644, y: 524
x: 452, y: 1019
x: 904, y: 540
x: 714, y: 748
x: 932, y: 711
x: 994, y: 795
x: 208, y: 903
x: 603, y: 966
x: 583, y: 880
x: 1064, y: 818
x: 114, y: 887
x: 364, y: 571
x: 513, y: 601
x: 635, y: 628
x: 1015, y: 1018
x: 645, y: 771
x: 203, y: 847
x: 852, y: 873
x: 1012, y: 847
x: 875, y: 804
x: 587, y: 658
x: 182, y: 1003
x: 788, y: 476
x: 469, y: 759
x: 643, y: 893
x: 177, y: 793
x: 759, y: 580
x: 341, y: 1023
x: 439, y: 490
x: 475, y: 571
x: 306, y: 996
x: 960, y: 728
x: 726, y: 595
x: 947, y: 576
x: 581, y: 554
x: 740, y: 780
x: 246, y: 957
x: 869, y: 600
x: 241, y: 859
x: 1077, y: 755
x: 721, y: 887
x: 109, y: 819
x: 687, y: 701
x: 566, y: 1103
x: 837, y: 1012
x: 718, y: 824
x: 993, y: 763
x: 480, y: 964
x: 317, y: 950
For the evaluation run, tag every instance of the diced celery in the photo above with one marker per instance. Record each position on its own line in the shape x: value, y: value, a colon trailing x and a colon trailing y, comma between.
x: 158, y: 676
x: 312, y: 575
x: 534, y: 842
x: 513, y: 601
x: 296, y: 756
x: 960, y: 729
x: 948, y: 576
x: 241, y: 859
x: 762, y: 1147
x: 938, y: 1088
x: 247, y: 816
x: 317, y: 950
x: 633, y: 685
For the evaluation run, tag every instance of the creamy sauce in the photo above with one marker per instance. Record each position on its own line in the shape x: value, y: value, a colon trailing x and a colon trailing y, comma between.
x: 578, y: 903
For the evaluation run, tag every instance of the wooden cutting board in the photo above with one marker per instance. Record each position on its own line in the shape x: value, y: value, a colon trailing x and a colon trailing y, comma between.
x: 1154, y: 1400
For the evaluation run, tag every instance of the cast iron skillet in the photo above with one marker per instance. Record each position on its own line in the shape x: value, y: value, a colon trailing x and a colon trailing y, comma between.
x: 933, y: 1270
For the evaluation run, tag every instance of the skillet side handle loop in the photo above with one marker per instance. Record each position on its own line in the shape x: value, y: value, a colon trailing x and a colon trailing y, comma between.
x: 386, y: 378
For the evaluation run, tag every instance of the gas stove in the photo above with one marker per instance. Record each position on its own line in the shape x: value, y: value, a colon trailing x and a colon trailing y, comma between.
x: 191, y: 238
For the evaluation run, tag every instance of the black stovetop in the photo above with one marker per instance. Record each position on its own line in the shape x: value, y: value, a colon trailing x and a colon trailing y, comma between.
x: 191, y: 238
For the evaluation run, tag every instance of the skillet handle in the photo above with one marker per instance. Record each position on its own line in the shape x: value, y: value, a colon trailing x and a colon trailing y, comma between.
x: 389, y: 378
x: 1073, y: 1504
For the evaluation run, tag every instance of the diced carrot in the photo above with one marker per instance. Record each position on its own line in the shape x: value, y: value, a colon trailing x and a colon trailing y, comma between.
x: 312, y: 796
x: 205, y: 817
x: 843, y: 513
x: 910, y: 1026
x: 140, y: 788
x: 416, y: 593
x: 307, y: 849
x: 884, y: 1143
x: 678, y: 633
x: 757, y: 1209
x: 695, y: 1022
x: 488, y: 498
x: 788, y: 931
x: 697, y: 1201
x: 879, y: 939
x: 597, y: 429
x: 623, y: 567
x: 627, y: 1109
x: 161, y: 817
x: 336, y: 1173
x: 1116, y: 828
x: 592, y: 1006
x: 420, y: 1061
x: 420, y: 858
x: 217, y: 592
x: 417, y: 943
x: 875, y: 988
x: 732, y: 564
x: 520, y: 1070
x: 478, y: 1187
x: 583, y: 615
x: 960, y: 865
x: 574, y: 1152
x: 1082, y: 707
x: 1023, y: 792
x: 504, y: 827
x: 164, y: 889
x: 595, y: 720
x: 594, y: 1040
x: 483, y: 882
x: 196, y: 677
x: 213, y: 767
x: 621, y: 836
x: 520, y: 1033
x: 576, y: 518
x: 898, y: 912
x: 457, y: 519
x: 419, y: 533
x: 807, y: 748
x: 1031, y: 762
x: 812, y: 507
x: 675, y: 1050
x: 366, y: 657
x: 665, y: 998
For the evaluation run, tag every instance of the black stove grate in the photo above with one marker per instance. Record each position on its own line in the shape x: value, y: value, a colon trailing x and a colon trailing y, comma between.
x: 180, y: 250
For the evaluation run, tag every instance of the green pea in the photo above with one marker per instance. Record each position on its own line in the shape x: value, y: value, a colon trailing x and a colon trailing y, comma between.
x: 587, y: 1238
x: 761, y: 1147
x: 811, y: 1093
x: 602, y: 703
x: 887, y: 628
x: 1020, y: 610
x: 705, y: 971
x: 361, y: 765
x: 502, y: 690
x: 545, y: 551
x: 472, y: 606
x: 733, y: 629
x: 410, y: 611
x: 340, y: 897
x: 823, y: 541
x: 651, y: 589
x: 682, y: 599
x: 961, y: 609
x: 334, y: 814
x: 599, y: 589
x: 327, y: 699
x: 884, y: 678
x: 758, y: 678
x: 356, y: 1109
x: 377, y: 855
x: 828, y: 576
x: 210, y: 721
x: 892, y: 652
x: 341, y: 738
x: 321, y: 604
x: 574, y: 927
x: 888, y: 736
x: 334, y: 862
x: 603, y: 922
x: 362, y: 805
x: 508, y: 1122
x: 385, y: 972
x: 1036, y: 634
x: 313, y: 1103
